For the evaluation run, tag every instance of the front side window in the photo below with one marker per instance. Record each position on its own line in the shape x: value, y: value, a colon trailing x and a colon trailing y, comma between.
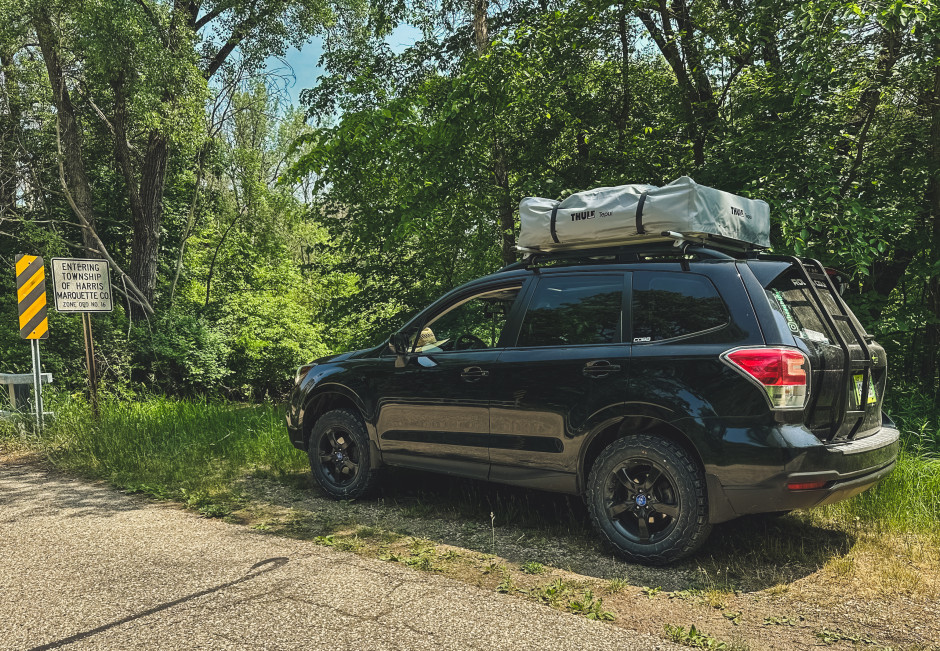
x: 574, y: 310
x: 473, y: 323
x: 667, y: 305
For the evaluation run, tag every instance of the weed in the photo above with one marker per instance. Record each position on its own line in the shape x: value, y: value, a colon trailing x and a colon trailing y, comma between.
x: 734, y: 618
x: 551, y: 594
x: 651, y: 592
x: 616, y: 585
x: 533, y: 567
x: 422, y: 556
x: 506, y: 586
x: 774, y: 620
x: 690, y: 594
x: 390, y: 556
x: 828, y: 637
x: 693, y: 638
x: 590, y: 607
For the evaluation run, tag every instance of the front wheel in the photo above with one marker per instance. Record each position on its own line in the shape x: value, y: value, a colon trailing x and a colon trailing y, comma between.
x: 647, y: 497
x: 340, y: 457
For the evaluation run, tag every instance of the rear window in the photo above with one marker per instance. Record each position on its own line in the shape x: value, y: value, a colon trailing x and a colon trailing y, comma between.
x: 791, y: 298
x: 570, y: 310
x: 669, y: 305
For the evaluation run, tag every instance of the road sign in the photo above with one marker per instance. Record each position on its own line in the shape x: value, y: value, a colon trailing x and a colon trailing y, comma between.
x: 31, y: 297
x: 81, y: 285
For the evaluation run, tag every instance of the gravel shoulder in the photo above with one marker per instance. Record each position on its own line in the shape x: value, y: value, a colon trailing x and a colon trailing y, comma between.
x: 85, y: 566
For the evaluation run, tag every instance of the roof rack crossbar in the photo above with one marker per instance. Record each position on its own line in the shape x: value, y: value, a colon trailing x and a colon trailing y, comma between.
x: 624, y: 253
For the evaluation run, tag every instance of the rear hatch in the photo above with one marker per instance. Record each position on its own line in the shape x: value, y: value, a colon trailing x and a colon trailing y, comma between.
x: 848, y: 367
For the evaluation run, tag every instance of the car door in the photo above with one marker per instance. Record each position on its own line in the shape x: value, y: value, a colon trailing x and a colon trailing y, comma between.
x: 567, y: 364
x: 433, y: 412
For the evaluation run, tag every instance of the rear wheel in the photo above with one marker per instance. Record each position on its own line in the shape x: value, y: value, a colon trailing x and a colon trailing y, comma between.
x: 647, y: 497
x: 340, y: 457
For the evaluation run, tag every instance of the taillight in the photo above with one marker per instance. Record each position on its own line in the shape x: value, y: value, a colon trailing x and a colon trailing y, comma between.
x: 781, y: 371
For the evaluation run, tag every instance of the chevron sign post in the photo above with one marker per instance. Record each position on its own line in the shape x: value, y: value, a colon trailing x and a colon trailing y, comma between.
x: 34, y: 324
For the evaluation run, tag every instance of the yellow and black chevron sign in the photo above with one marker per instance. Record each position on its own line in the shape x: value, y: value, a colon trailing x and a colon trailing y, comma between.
x: 31, y: 297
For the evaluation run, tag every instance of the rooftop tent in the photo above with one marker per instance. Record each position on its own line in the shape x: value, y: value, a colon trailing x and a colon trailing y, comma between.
x: 629, y: 214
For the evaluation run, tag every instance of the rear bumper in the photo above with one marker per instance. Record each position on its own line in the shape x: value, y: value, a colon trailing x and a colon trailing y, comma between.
x: 847, y: 468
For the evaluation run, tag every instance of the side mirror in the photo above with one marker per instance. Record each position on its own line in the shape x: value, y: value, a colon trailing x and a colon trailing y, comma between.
x: 398, y: 342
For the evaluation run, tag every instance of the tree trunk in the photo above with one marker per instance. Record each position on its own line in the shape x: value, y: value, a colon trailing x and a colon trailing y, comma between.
x: 505, y: 209
x: 480, y: 27
x: 625, y: 98
x: 146, y: 249
x: 682, y: 49
x: 69, y: 133
x: 930, y: 359
x: 10, y: 121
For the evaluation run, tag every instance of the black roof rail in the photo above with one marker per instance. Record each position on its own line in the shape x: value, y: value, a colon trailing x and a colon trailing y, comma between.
x: 623, y: 254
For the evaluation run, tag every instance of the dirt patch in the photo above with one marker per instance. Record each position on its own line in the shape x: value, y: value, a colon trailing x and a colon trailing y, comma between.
x: 759, y: 583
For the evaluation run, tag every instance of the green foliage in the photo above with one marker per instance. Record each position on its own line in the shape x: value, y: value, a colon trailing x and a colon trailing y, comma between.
x: 183, y: 353
x: 532, y: 567
x: 179, y: 449
x: 590, y: 607
x: 282, y: 241
x: 693, y: 638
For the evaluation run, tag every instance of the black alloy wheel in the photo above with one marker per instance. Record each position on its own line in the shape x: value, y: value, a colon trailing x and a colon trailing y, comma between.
x: 647, y: 497
x: 339, y: 455
x: 643, y: 501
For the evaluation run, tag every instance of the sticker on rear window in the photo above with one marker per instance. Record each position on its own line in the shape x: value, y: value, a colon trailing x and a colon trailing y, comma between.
x: 872, y: 397
x: 787, y: 313
x: 812, y: 335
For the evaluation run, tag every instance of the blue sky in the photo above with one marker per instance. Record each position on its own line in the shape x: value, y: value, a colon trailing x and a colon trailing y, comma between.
x: 304, y: 61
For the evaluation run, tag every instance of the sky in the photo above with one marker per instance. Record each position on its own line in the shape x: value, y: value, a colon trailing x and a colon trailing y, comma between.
x: 303, y: 63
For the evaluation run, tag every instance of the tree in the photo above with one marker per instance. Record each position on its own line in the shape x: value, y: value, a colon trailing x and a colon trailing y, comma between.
x: 141, y: 67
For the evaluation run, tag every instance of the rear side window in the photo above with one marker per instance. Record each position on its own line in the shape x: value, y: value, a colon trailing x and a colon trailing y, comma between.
x: 668, y: 305
x: 571, y: 311
x: 791, y: 298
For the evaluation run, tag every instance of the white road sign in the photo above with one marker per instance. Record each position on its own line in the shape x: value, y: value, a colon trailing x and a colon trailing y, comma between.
x: 81, y: 285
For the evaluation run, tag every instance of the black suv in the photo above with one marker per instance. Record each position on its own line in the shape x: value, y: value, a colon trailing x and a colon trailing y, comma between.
x: 673, y: 388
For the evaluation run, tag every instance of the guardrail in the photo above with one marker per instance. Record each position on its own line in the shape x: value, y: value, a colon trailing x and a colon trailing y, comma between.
x: 18, y: 384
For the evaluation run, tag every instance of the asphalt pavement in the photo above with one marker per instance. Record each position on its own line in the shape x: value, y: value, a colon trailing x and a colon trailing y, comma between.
x: 83, y: 566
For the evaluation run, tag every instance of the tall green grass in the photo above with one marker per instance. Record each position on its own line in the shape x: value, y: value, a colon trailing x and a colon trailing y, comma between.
x: 189, y: 449
x: 909, y: 498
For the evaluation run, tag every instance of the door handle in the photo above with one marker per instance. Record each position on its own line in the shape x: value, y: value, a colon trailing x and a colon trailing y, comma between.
x: 599, y: 368
x: 473, y: 373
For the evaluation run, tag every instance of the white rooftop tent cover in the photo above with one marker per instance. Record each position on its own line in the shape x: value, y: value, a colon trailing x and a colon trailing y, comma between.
x: 633, y: 213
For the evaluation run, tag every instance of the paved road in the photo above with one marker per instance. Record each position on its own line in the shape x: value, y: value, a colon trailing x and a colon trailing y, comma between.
x: 85, y: 567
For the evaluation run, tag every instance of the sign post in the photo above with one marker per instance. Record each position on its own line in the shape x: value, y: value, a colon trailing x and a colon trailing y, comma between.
x: 34, y: 325
x: 83, y: 285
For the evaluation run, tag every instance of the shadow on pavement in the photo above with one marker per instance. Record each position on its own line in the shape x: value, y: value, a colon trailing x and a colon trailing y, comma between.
x: 254, y: 572
x: 49, y: 493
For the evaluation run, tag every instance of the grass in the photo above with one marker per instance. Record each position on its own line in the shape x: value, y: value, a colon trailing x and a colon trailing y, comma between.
x: 693, y: 638
x: 193, y: 451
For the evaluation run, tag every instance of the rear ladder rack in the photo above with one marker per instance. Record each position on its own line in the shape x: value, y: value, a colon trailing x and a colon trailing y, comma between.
x: 818, y: 274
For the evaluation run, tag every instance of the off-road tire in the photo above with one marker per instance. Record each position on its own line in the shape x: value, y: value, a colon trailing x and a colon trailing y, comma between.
x: 652, y: 524
x: 341, y: 456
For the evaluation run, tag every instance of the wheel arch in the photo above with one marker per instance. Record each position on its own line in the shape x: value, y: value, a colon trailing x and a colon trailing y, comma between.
x: 631, y: 425
x: 324, y: 400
